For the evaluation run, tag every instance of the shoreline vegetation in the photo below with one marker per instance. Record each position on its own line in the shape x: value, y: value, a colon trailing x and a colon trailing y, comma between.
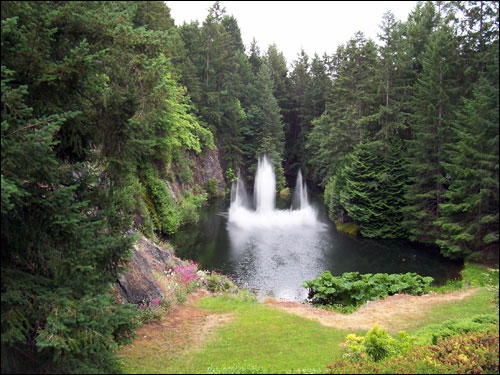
x: 228, y: 324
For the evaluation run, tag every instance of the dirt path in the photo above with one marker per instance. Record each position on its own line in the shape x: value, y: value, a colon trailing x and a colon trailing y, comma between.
x: 394, y: 313
x: 185, y: 328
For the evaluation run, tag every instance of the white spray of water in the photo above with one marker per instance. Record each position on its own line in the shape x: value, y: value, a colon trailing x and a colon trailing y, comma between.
x: 300, y: 198
x: 265, y: 215
x: 265, y: 187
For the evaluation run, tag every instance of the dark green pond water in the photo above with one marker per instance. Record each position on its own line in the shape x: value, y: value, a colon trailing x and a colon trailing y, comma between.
x: 276, y: 262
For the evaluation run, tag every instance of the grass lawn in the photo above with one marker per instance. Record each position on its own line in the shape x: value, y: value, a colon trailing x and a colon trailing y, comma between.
x: 258, y: 335
x: 478, y: 303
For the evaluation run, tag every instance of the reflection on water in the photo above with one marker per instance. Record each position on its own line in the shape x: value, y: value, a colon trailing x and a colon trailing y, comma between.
x: 276, y: 261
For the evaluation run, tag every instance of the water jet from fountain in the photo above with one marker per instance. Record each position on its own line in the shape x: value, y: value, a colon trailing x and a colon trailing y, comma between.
x: 265, y: 215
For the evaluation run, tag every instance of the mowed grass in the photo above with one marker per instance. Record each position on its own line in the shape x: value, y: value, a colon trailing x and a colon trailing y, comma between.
x: 478, y: 303
x: 278, y: 342
x: 257, y: 335
x: 263, y: 336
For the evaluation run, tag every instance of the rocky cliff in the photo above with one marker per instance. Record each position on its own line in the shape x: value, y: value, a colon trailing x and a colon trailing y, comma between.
x: 138, y: 284
x: 206, y: 166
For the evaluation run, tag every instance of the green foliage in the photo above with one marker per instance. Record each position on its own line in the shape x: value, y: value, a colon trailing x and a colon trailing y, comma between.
x: 435, y: 107
x: 60, y: 252
x: 94, y: 93
x: 354, y: 289
x: 452, y: 327
x: 264, y: 117
x: 188, y: 207
x: 87, y: 94
x: 212, y: 187
x: 161, y: 206
x: 474, y: 352
x: 349, y: 111
x: 376, y: 345
x: 371, y: 191
x: 332, y: 198
x: 469, y: 221
x: 230, y: 175
x: 167, y: 215
x: 217, y: 282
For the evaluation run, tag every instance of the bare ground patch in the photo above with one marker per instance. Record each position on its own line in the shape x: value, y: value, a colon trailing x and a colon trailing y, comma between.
x: 185, y: 328
x: 394, y: 313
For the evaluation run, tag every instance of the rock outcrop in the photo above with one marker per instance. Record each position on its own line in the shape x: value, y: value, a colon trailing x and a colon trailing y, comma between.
x: 138, y: 284
x: 206, y: 166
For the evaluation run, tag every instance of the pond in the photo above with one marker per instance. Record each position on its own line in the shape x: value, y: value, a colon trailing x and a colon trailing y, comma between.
x: 276, y: 261
x: 272, y: 246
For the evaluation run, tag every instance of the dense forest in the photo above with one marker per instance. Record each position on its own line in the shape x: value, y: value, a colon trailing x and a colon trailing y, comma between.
x: 105, y: 102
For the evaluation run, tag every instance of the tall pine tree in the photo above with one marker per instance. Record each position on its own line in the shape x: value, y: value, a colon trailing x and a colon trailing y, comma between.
x: 435, y: 104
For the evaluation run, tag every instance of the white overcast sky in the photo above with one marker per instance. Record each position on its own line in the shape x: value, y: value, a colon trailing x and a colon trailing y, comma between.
x: 315, y: 26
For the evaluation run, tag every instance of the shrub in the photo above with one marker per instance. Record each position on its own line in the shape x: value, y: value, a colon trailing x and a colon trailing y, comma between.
x: 376, y: 345
x: 212, y: 187
x: 230, y: 175
x: 187, y: 276
x: 159, y: 202
x: 353, y: 289
x: 472, y: 353
x: 187, y: 208
x: 176, y: 283
x: 216, y: 282
x: 434, y: 333
x: 147, y: 312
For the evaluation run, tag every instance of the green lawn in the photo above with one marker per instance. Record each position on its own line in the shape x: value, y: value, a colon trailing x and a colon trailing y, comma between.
x: 278, y: 342
x: 476, y: 304
x: 258, y: 335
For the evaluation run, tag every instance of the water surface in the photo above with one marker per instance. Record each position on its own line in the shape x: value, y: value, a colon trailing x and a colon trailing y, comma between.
x: 276, y: 261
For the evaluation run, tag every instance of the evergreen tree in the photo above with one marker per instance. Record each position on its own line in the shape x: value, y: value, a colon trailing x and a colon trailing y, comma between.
x: 315, y: 98
x: 255, y: 58
x: 350, y: 110
x: 153, y: 14
x: 276, y: 64
x: 371, y: 190
x: 434, y: 111
x: 265, y: 121
x: 469, y: 216
x: 86, y: 98
x: 395, y: 81
x: 299, y: 80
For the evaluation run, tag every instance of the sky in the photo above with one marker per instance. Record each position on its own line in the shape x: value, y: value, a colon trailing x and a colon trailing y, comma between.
x: 315, y: 26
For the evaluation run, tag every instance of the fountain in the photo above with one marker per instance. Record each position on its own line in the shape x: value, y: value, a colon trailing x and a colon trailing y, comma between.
x: 273, y: 251
x: 265, y: 215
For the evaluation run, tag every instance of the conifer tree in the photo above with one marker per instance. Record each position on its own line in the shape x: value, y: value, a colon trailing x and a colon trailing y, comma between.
x: 469, y: 215
x: 436, y: 92
x: 395, y: 81
x: 299, y: 80
x: 371, y: 190
x: 86, y: 98
x: 362, y: 196
x: 255, y: 58
x: 265, y: 119
x: 350, y: 110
